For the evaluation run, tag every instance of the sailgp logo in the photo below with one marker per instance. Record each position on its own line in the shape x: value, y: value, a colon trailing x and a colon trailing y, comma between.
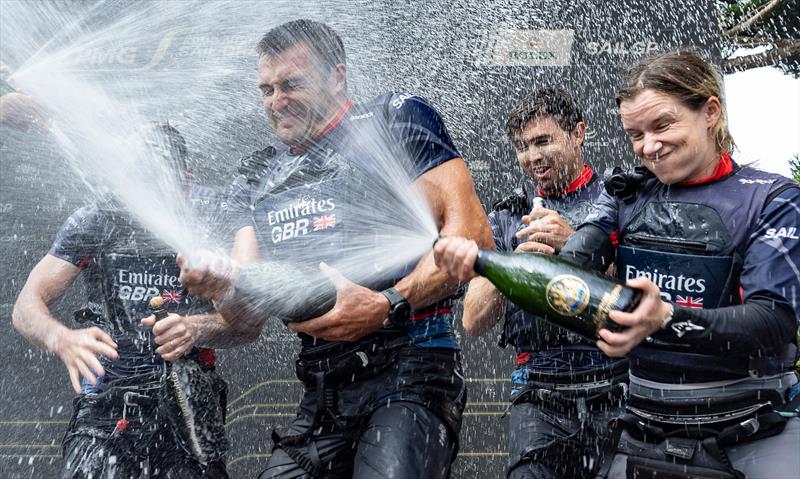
x: 775, y: 233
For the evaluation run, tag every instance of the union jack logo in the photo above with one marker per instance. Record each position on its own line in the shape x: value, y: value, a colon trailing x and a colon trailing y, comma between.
x: 689, y: 301
x: 172, y: 296
x: 324, y: 222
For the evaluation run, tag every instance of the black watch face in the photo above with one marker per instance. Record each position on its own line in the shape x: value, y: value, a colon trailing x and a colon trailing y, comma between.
x: 400, y: 313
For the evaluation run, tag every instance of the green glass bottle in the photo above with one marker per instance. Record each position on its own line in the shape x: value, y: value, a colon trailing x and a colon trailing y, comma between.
x: 558, y: 291
x: 264, y: 287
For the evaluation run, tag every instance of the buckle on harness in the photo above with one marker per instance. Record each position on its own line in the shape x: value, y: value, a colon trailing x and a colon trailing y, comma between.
x: 680, y: 447
x: 751, y: 426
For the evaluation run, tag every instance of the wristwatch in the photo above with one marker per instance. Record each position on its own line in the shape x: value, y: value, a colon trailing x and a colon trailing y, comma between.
x: 399, y: 309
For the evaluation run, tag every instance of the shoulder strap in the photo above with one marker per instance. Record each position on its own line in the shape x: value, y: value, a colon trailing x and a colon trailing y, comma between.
x: 516, y: 203
x: 777, y: 192
x: 253, y: 165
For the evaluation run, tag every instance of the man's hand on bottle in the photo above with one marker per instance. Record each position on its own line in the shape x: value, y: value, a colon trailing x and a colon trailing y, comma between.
x: 78, y: 349
x: 358, y: 312
x: 456, y: 256
x: 208, y: 275
x: 174, y: 335
x: 546, y: 231
x: 642, y: 322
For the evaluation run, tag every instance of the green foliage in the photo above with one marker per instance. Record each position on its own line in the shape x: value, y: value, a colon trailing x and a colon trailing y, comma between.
x: 779, y: 30
x: 794, y: 165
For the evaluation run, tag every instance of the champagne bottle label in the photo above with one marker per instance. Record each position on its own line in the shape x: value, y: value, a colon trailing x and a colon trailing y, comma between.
x: 567, y: 295
x: 606, y: 304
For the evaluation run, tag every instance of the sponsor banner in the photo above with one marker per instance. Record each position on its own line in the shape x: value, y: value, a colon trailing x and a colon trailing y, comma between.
x: 616, y: 47
x: 514, y: 47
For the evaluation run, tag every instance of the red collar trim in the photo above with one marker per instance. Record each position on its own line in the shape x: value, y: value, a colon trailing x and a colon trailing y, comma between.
x: 296, y: 149
x: 723, y: 169
x: 582, y: 180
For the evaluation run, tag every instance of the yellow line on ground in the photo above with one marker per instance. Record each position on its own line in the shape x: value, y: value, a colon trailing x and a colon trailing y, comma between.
x: 30, y: 456
x: 260, y: 385
x: 266, y: 414
x: 238, y: 459
x: 286, y: 414
x: 483, y: 454
x: 257, y: 405
x: 295, y: 381
x: 294, y: 405
x: 17, y: 422
x: 30, y: 445
x: 248, y: 456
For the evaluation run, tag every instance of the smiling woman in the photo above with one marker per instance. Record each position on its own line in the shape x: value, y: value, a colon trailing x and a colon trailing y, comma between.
x: 671, y: 108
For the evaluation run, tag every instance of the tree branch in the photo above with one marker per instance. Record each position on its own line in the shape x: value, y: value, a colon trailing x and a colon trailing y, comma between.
x: 758, y: 15
x: 771, y: 57
x: 742, y: 41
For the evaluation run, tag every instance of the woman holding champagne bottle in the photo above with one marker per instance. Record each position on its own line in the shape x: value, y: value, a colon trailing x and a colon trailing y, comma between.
x: 713, y: 246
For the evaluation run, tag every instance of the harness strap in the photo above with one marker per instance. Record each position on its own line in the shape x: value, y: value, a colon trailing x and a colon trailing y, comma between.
x: 533, y: 392
x: 289, y: 445
x: 757, y: 427
x: 327, y: 404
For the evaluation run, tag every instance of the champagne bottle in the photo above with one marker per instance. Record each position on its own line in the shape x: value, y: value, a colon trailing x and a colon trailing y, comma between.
x: 291, y: 292
x: 558, y: 291
x: 192, y: 402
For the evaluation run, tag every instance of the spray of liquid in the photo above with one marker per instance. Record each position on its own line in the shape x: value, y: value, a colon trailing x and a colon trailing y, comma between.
x: 382, y: 224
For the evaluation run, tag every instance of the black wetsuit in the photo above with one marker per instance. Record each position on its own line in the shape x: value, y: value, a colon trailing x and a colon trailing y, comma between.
x: 565, y: 389
x: 126, y: 425
x: 391, y: 403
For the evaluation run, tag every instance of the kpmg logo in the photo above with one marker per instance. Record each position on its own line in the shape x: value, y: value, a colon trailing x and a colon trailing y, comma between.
x: 512, y: 47
x: 617, y: 47
x: 149, y: 53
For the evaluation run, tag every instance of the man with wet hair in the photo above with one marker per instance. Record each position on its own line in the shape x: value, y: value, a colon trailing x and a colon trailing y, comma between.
x: 384, y: 389
x: 126, y: 422
x: 564, y: 389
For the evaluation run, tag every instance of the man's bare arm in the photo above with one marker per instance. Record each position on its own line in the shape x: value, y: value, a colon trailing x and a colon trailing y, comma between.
x: 77, y: 348
x: 360, y: 311
x: 45, y: 285
x: 213, y: 331
x: 484, y: 305
x: 457, y: 211
x: 235, y: 323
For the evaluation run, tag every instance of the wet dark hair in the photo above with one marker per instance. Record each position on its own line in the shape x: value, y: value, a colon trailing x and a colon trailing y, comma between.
x: 323, y: 41
x: 168, y: 136
x: 549, y: 101
x: 684, y: 75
